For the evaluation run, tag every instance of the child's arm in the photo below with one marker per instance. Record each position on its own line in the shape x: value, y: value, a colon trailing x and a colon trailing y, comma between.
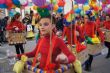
x: 64, y: 32
x: 65, y: 50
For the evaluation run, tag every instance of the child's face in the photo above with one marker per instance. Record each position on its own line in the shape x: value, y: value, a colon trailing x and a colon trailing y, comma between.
x: 86, y: 18
x: 45, y: 26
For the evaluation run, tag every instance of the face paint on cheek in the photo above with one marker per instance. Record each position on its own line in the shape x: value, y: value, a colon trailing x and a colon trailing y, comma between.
x: 45, y: 28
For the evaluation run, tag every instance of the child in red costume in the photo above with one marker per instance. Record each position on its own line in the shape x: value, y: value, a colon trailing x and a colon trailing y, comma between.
x: 89, y: 27
x: 17, y: 26
x: 73, y: 36
x: 89, y: 30
x: 46, y: 27
x: 70, y: 35
x: 80, y: 29
x: 107, y: 26
x: 99, y: 31
x: 107, y: 23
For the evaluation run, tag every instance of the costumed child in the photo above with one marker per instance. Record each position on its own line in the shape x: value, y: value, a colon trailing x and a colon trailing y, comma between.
x: 16, y: 26
x: 107, y: 26
x: 100, y: 33
x: 80, y: 29
x: 58, y: 46
x: 89, y: 31
x: 69, y: 33
x: 27, y: 21
x: 72, y: 35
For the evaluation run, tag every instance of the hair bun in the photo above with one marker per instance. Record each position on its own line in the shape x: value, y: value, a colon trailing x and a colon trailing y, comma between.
x: 43, y: 12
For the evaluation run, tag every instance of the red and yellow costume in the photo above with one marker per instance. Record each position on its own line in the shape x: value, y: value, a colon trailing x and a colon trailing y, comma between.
x: 68, y: 33
x: 59, y: 46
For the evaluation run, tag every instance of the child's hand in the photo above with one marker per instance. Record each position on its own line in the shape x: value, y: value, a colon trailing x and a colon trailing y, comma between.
x: 65, y: 60
x: 62, y: 58
x: 16, y: 28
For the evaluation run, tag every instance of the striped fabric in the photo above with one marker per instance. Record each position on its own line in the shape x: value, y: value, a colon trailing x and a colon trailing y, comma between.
x: 61, y: 70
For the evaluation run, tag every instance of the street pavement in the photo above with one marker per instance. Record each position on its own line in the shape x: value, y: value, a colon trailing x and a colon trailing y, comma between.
x: 100, y: 64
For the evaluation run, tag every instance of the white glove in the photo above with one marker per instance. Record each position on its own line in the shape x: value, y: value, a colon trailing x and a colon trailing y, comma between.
x: 16, y: 28
x: 62, y: 58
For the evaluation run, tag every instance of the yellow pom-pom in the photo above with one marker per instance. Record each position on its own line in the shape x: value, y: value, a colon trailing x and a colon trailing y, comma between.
x: 18, y: 67
x: 95, y: 40
x: 24, y: 58
x: 75, y: 6
x: 86, y: 7
x: 77, y: 66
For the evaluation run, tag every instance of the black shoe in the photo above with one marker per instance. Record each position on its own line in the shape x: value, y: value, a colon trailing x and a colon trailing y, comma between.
x: 87, y: 68
x: 108, y: 56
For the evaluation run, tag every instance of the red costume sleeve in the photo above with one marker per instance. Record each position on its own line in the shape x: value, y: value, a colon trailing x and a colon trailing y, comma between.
x: 107, y: 25
x: 66, y: 51
x: 101, y: 35
x: 64, y: 32
x: 9, y: 27
x: 98, y: 22
x: 77, y: 27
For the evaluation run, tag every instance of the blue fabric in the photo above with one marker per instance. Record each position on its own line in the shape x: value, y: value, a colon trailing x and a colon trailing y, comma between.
x: 62, y: 69
x: 3, y: 6
x: 35, y: 69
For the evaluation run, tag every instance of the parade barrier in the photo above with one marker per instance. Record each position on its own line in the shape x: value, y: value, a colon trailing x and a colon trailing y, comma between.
x: 16, y: 37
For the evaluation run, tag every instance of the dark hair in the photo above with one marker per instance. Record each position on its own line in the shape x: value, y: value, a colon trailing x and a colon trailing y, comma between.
x: 16, y: 16
x: 31, y: 12
x: 49, y: 17
x: 62, y: 15
x: 7, y: 17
